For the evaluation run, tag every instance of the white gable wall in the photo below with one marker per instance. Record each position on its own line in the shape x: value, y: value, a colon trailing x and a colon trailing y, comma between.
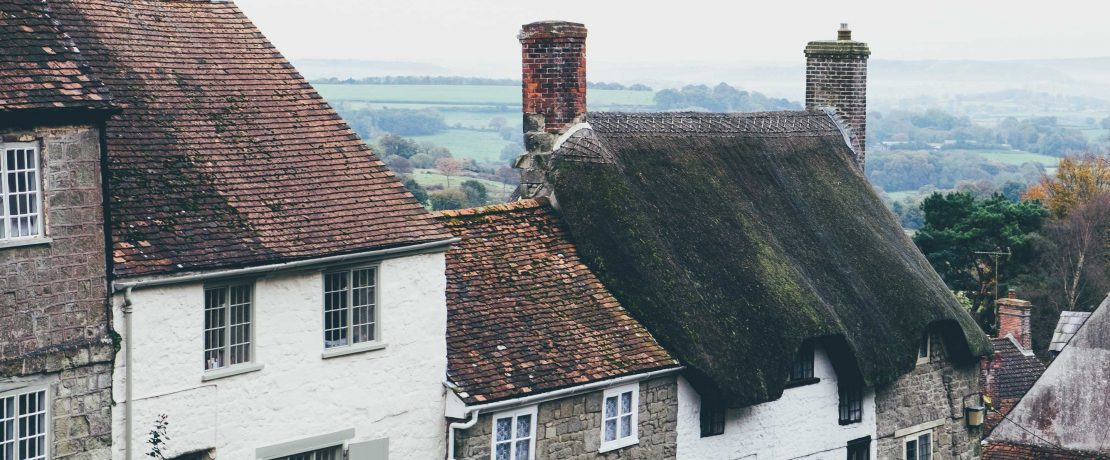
x: 394, y: 393
x: 803, y: 423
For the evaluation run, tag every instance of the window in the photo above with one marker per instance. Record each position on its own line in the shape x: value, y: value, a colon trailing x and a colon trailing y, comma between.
x: 923, y: 348
x: 712, y: 417
x: 619, y: 417
x: 918, y: 446
x: 350, y: 307
x: 327, y: 453
x: 860, y: 449
x: 227, y: 325
x: 801, y: 372
x: 20, y: 197
x: 851, y: 402
x: 23, y: 425
x: 514, y: 435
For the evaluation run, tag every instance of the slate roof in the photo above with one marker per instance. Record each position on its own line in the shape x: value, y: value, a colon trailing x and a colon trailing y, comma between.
x: 40, y: 67
x: 735, y: 237
x: 1069, y: 405
x: 1070, y: 321
x: 1016, y: 371
x: 223, y: 155
x: 525, y: 315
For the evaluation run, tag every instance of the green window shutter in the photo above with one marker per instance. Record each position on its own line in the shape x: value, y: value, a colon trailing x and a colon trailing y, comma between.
x: 377, y: 449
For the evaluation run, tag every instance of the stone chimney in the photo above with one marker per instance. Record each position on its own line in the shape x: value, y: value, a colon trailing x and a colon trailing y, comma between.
x: 836, y: 77
x: 554, y: 92
x: 1013, y: 320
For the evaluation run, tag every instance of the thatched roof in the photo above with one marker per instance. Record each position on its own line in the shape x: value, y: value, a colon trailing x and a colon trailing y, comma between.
x: 735, y: 237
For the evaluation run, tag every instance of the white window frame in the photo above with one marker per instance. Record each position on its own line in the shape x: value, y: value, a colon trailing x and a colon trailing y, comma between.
x: 231, y: 369
x: 634, y: 437
x: 513, y: 435
x: 45, y: 412
x: 927, y: 339
x: 5, y: 190
x: 917, y: 437
x: 350, y: 345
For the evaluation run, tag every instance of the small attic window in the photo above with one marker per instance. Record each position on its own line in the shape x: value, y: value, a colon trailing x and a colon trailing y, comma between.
x: 712, y: 417
x: 851, y: 402
x: 924, y: 348
x: 801, y: 372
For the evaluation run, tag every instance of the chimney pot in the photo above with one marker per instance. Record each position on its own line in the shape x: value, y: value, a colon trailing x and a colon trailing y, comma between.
x: 844, y: 33
x: 1011, y: 294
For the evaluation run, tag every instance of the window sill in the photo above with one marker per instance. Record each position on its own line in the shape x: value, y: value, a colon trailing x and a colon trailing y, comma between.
x: 230, y: 371
x: 352, y: 349
x: 801, y: 382
x: 849, y: 422
x: 618, y: 444
x: 25, y: 242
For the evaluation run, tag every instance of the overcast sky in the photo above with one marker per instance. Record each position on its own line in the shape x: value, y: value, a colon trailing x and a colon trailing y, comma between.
x: 483, y: 31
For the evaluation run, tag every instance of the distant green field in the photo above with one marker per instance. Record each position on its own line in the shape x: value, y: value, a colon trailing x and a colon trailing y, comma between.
x: 1015, y: 157
x: 902, y: 195
x: 466, y: 95
x: 481, y: 146
x: 430, y: 177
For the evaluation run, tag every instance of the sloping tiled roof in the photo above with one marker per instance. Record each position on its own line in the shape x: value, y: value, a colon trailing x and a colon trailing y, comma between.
x: 1070, y: 321
x: 525, y: 315
x: 1069, y: 405
x: 223, y: 155
x: 710, y: 227
x: 1016, y: 372
x: 1010, y: 451
x: 40, y: 67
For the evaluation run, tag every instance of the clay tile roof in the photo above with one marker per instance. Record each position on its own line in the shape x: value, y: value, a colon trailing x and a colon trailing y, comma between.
x: 41, y: 67
x: 1070, y: 321
x: 1016, y: 372
x: 223, y: 155
x: 525, y: 315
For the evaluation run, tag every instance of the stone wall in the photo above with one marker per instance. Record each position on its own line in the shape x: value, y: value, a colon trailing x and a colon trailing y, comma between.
x: 836, y: 76
x: 53, y: 295
x: 933, y: 391
x: 570, y: 428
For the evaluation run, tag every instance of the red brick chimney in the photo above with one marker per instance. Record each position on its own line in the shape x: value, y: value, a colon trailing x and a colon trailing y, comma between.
x: 836, y: 77
x: 553, y: 72
x: 1013, y: 319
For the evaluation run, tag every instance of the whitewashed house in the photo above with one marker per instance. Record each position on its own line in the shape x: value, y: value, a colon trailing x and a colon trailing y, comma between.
x: 277, y: 292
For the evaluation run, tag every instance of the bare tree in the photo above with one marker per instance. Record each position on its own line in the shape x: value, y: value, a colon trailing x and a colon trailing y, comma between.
x: 449, y: 167
x: 1077, y: 255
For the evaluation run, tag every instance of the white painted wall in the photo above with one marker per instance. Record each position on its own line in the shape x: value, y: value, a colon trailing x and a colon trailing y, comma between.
x: 801, y: 424
x: 396, y: 392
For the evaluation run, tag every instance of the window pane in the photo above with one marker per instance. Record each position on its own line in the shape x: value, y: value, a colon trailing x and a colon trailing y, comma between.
x: 923, y: 347
x: 626, y: 403
x: 911, y: 450
x: 362, y: 303
x: 215, y: 327
x: 626, y: 426
x: 335, y: 309
x: 504, y: 429
x: 924, y: 446
x: 502, y: 452
x: 524, y: 426
x: 522, y: 450
x: 610, y: 407
x: 610, y: 430
x: 239, y: 323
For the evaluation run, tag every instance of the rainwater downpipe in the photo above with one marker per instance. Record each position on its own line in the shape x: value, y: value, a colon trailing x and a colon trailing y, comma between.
x: 127, y: 309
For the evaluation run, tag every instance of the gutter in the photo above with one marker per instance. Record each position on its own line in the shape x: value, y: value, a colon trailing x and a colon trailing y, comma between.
x: 544, y: 397
x: 127, y: 307
x: 420, y: 248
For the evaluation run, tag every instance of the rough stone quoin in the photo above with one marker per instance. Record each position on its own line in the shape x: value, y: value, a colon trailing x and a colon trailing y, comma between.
x: 836, y: 76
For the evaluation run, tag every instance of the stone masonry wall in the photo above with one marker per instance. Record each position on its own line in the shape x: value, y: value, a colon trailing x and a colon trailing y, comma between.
x: 836, y: 76
x: 932, y: 391
x: 53, y: 296
x: 570, y: 428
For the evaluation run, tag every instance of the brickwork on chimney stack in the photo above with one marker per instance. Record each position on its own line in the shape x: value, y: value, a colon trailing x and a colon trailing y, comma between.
x: 836, y: 76
x: 553, y: 73
x: 1013, y: 319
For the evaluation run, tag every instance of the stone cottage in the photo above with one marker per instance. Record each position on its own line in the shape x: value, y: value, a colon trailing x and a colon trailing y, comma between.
x: 278, y: 293
x: 753, y: 249
x: 55, y: 346
x: 543, y: 361
x: 1063, y: 416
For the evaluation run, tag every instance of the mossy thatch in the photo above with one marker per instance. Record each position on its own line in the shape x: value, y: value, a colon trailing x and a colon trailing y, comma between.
x: 734, y: 238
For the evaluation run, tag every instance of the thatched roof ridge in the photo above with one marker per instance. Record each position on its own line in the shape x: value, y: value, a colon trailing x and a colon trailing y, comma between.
x: 736, y: 237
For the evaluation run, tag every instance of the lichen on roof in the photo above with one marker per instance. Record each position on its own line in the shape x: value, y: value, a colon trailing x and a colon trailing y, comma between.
x: 734, y: 238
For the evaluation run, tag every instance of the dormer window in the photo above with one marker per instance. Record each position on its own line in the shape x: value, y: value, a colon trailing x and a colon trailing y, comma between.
x: 851, y: 402
x: 801, y: 371
x: 924, y: 348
